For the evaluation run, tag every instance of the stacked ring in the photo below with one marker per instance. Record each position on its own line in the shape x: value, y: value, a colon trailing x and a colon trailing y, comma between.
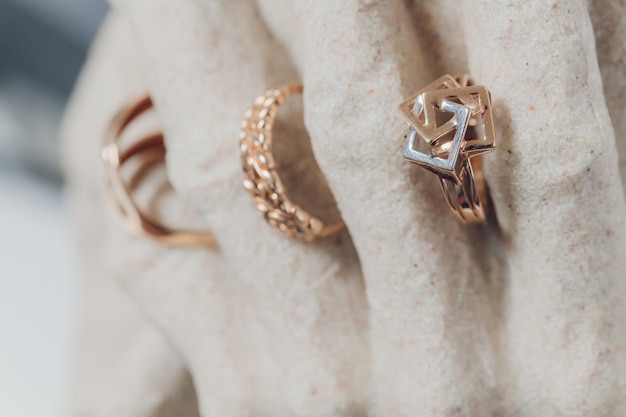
x: 454, y: 118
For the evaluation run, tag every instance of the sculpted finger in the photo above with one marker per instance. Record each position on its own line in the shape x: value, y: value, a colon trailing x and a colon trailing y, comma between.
x: 206, y: 62
x: 609, y: 24
x: 556, y: 187
x: 121, y: 358
x: 430, y: 312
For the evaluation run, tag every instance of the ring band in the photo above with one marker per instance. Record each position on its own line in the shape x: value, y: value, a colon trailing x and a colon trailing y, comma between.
x: 148, y: 151
x: 454, y: 119
x: 261, y: 178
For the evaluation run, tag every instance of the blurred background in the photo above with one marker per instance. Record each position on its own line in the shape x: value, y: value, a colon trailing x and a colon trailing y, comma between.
x: 43, y: 44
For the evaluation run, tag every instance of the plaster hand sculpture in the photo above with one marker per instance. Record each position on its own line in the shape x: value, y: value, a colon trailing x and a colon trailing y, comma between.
x: 413, y: 313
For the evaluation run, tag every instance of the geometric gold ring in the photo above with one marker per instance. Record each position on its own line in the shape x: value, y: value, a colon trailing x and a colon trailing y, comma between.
x: 261, y: 178
x: 450, y: 128
x: 147, y: 151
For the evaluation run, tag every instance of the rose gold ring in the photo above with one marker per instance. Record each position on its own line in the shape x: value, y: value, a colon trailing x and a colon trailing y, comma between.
x: 261, y: 178
x: 453, y: 118
x: 148, y: 151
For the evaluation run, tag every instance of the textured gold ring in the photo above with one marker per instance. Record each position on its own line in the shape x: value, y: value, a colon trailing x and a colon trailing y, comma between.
x: 147, y: 151
x: 261, y: 178
x: 453, y: 120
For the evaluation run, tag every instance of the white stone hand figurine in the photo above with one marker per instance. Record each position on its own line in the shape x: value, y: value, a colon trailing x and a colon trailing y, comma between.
x: 413, y: 314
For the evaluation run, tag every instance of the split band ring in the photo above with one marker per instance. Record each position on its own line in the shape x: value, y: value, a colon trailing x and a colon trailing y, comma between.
x: 147, y: 151
x: 261, y: 178
x: 453, y: 118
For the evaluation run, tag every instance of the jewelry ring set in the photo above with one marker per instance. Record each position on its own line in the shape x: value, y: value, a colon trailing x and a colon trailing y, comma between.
x: 450, y: 128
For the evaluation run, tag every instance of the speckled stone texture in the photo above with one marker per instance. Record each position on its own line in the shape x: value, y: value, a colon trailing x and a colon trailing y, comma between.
x: 410, y: 314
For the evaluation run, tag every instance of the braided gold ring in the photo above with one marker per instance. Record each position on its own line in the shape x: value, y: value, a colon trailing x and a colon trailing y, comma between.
x: 263, y: 181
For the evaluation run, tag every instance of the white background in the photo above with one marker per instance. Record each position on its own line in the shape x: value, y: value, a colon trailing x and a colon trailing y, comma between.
x: 38, y: 298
